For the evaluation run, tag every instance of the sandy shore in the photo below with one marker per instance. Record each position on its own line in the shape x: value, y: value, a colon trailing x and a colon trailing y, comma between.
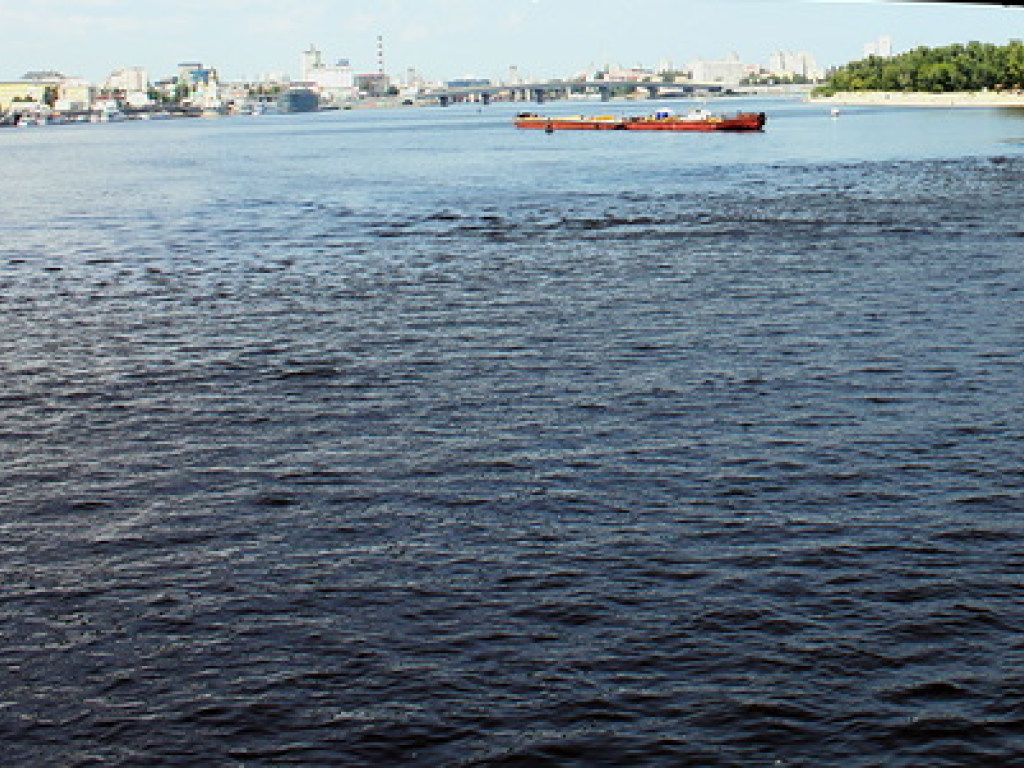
x: 892, y: 99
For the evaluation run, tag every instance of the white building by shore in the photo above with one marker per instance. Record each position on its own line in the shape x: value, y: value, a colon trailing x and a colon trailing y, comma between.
x: 333, y: 83
x: 75, y: 94
x: 129, y: 80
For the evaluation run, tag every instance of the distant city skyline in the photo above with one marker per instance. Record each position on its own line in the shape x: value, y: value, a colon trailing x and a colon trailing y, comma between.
x: 444, y: 39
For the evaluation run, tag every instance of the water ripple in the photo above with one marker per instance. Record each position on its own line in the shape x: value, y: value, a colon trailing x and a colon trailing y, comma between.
x: 722, y: 470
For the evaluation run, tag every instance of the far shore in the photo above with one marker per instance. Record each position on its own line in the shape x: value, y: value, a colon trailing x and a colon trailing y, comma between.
x: 900, y: 99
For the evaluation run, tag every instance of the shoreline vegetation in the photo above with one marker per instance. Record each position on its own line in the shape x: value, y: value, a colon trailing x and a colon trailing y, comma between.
x: 971, y: 75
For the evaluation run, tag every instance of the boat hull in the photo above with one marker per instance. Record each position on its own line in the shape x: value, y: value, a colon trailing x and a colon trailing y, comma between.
x: 744, y: 122
x: 571, y: 123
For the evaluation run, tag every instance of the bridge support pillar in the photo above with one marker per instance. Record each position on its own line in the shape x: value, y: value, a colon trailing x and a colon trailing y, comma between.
x: 606, y: 94
x: 445, y: 101
x: 485, y: 98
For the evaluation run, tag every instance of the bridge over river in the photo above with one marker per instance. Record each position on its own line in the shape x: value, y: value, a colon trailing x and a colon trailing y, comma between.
x: 556, y: 89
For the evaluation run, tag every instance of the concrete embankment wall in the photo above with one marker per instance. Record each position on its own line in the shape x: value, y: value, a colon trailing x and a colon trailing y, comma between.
x: 894, y: 99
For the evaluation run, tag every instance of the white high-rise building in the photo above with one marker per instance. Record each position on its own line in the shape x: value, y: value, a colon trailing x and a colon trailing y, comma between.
x: 881, y: 47
x: 336, y: 83
x: 789, y: 64
x: 129, y: 80
x: 729, y: 71
x: 312, y: 62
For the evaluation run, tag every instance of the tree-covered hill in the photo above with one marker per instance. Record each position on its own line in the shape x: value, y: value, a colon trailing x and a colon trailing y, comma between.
x: 971, y: 67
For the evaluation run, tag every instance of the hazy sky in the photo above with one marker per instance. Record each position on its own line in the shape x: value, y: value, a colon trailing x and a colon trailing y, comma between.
x: 443, y: 39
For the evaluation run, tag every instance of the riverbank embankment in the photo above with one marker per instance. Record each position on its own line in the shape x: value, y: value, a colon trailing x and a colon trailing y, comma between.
x: 900, y: 99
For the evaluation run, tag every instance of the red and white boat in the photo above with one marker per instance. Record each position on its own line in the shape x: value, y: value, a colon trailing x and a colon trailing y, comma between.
x: 695, y: 120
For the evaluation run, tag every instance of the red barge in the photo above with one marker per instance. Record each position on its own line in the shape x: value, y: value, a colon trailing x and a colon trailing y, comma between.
x: 696, y: 120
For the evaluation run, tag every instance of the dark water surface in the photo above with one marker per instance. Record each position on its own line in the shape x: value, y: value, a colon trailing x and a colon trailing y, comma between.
x: 403, y: 438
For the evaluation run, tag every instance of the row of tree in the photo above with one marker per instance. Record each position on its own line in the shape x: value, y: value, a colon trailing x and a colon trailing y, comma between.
x: 764, y: 78
x: 971, y: 67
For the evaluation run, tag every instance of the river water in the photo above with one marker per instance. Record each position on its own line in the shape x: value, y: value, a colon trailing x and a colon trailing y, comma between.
x: 405, y: 438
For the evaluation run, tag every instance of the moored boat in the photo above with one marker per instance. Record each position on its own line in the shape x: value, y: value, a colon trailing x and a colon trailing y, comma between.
x: 695, y: 120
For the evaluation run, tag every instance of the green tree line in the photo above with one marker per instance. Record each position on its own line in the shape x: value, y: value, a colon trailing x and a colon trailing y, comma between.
x: 972, y: 67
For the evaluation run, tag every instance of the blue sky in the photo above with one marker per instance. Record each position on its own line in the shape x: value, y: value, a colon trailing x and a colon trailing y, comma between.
x: 443, y: 39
